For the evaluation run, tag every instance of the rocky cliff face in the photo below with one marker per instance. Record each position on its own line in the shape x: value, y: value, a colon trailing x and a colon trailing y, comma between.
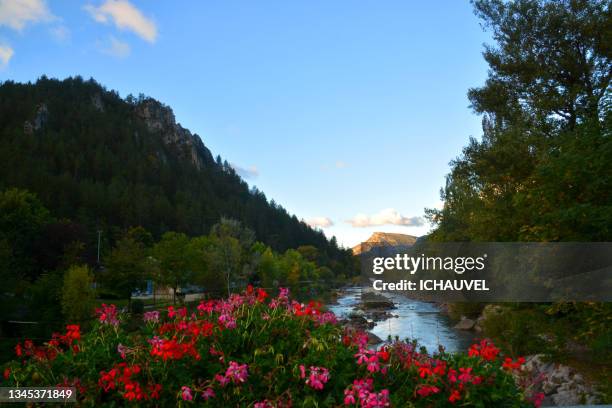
x: 160, y: 119
x: 385, y: 239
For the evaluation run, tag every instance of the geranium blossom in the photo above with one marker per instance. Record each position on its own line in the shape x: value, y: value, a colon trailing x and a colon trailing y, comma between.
x: 186, y: 393
x: 108, y: 314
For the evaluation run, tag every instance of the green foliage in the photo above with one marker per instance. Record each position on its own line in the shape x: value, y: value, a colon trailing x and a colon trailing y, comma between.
x: 542, y: 169
x: 176, y: 259
x: 77, y: 294
x: 22, y: 218
x: 125, y: 267
x: 518, y: 331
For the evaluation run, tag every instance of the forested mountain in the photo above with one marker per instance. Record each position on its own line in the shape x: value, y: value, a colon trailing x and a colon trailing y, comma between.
x: 108, y: 163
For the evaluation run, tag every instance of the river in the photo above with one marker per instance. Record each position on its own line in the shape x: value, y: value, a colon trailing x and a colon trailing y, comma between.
x: 418, y: 320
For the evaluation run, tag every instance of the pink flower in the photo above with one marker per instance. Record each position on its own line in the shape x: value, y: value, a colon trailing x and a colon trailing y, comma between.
x: 151, y: 317
x: 326, y: 318
x: 186, y: 393
x: 373, y: 365
x: 363, y: 355
x: 349, y: 397
x: 283, y: 294
x: 206, y: 307
x: 208, y: 393
x: 228, y: 321
x: 122, y: 350
x: 364, y: 391
x: 237, y: 373
x: 263, y: 404
x: 317, y: 378
x: 223, y: 380
x: 302, y: 371
x: 108, y: 314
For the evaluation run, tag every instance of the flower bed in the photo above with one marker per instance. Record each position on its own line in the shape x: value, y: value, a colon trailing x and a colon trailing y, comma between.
x: 254, y: 352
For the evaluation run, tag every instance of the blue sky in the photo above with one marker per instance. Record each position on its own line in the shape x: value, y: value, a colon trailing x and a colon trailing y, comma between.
x: 344, y: 112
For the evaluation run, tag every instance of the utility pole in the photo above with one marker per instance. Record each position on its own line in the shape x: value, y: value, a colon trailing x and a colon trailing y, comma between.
x: 99, y: 235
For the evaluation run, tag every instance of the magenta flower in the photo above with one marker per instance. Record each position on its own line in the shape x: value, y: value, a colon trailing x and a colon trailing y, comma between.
x: 151, y: 317
x: 373, y: 365
x: 208, y: 393
x: 317, y: 377
x: 228, y: 321
x: 222, y: 380
x: 237, y: 373
x: 108, y: 314
x: 186, y: 393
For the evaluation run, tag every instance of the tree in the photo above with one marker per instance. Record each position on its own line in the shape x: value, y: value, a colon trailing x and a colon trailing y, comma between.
x: 125, y: 268
x: 551, y: 65
x: 78, y: 294
x: 22, y: 218
x: 176, y: 259
x: 541, y: 171
x: 225, y: 257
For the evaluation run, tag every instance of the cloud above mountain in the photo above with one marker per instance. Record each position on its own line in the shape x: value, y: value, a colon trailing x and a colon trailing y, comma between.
x: 125, y: 16
x: 246, y: 172
x: 388, y: 216
x: 320, y: 222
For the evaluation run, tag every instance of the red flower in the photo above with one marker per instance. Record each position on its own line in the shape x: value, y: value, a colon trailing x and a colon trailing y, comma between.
x: 261, y: 295
x: 455, y: 396
x: 383, y: 354
x: 424, y: 369
x: 452, y: 375
x: 486, y: 350
x: 466, y: 374
x: 7, y: 373
x: 440, y: 368
x: 510, y: 365
x: 427, y: 390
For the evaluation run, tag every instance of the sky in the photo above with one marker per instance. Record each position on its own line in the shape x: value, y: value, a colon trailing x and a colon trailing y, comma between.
x: 347, y: 113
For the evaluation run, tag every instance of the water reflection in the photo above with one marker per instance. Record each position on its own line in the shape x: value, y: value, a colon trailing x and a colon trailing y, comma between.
x: 417, y: 320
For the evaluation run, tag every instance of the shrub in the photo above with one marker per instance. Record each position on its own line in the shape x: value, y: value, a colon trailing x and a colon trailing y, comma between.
x: 252, y: 351
x: 77, y: 294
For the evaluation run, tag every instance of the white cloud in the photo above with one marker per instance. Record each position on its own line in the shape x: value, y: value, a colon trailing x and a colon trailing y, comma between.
x: 116, y: 48
x: 6, y: 53
x: 321, y: 222
x: 387, y: 216
x: 246, y: 172
x: 125, y: 17
x: 341, y: 165
x: 16, y: 14
x: 61, y: 33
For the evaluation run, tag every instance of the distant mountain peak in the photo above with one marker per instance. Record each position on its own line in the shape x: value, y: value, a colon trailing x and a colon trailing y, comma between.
x: 384, y: 239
